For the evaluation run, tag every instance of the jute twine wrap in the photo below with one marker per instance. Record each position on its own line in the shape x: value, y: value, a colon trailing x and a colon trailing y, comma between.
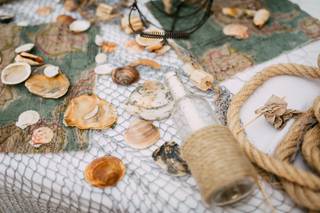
x: 215, y: 160
x: 302, y: 186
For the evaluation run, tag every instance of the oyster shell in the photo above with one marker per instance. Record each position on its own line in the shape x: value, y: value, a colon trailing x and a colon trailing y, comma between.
x: 141, y: 134
x: 261, y: 17
x: 104, y: 69
x: 151, y: 101
x: 82, y: 113
x: 105, y: 171
x: 79, y: 26
x: 133, y: 45
x: 168, y: 157
x: 46, y: 87
x: 27, y: 118
x: 125, y: 75
x: 236, y: 30
x: 101, y: 58
x: 51, y: 71
x: 15, y: 73
x: 40, y: 136
x: 29, y: 58
x: 24, y: 48
x: 64, y: 19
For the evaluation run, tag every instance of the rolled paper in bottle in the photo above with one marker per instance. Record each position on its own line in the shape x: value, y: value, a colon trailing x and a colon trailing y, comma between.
x: 222, y: 172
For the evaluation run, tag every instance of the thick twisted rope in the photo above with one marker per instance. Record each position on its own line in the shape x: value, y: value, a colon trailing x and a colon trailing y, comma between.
x: 302, y: 186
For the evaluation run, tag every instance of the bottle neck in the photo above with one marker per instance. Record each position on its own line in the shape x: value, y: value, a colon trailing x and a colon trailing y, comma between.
x: 175, y: 85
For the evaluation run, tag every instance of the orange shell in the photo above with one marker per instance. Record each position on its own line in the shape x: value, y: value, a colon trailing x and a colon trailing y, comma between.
x: 105, y: 171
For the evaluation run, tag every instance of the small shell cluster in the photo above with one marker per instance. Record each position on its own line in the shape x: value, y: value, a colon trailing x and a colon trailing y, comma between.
x: 105, y: 171
x: 135, y: 21
x: 168, y: 157
x: 141, y: 134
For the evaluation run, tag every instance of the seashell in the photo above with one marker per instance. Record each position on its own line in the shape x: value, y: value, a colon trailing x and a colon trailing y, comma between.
x: 40, y: 136
x: 79, y: 26
x: 71, y: 5
x: 27, y: 118
x: 29, y: 58
x: 44, y: 11
x: 108, y: 46
x: 125, y: 75
x: 250, y: 13
x: 105, y: 171
x: 24, y: 48
x: 146, y: 62
x: 133, y: 45
x: 141, y: 134
x: 168, y: 158
x: 135, y: 21
x: 148, y: 41
x: 98, y: 40
x: 101, y: 58
x: 261, y: 17
x: 6, y: 18
x: 46, y: 87
x: 81, y: 113
x: 151, y: 101
x: 154, y: 47
x: 65, y: 19
x: 15, y: 73
x: 163, y: 50
x: 104, y: 69
x: 236, y: 30
x: 233, y: 12
x: 51, y: 71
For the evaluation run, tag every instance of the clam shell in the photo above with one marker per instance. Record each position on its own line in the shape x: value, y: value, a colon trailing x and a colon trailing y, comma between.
x: 141, y: 134
x: 125, y: 75
x: 261, y: 17
x: 15, y: 73
x: 81, y: 113
x: 104, y: 69
x: 105, y: 171
x: 236, y: 30
x: 64, y: 19
x: 42, y: 135
x: 168, y: 157
x: 101, y: 58
x: 79, y: 26
x: 46, y: 87
x: 27, y: 118
x: 151, y: 101
x: 29, y: 59
x: 24, y: 48
x: 51, y: 71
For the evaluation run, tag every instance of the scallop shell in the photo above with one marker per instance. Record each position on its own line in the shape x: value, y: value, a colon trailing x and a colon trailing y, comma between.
x: 27, y: 118
x: 79, y: 26
x: 141, y: 134
x: 51, y: 71
x: 24, y: 48
x: 168, y: 157
x: 15, y: 73
x: 125, y: 75
x: 46, y: 87
x: 104, y: 69
x: 29, y: 59
x: 233, y: 12
x: 105, y: 171
x: 82, y: 113
x: 101, y: 58
x: 65, y: 19
x: 261, y: 17
x: 236, y: 30
x: 151, y: 101
x: 40, y: 136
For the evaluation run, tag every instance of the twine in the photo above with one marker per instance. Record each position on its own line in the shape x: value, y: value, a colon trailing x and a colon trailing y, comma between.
x: 215, y: 160
x: 302, y: 186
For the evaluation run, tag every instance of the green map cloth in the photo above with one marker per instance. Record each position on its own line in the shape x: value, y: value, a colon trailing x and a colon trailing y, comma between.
x: 222, y: 56
x: 74, y: 54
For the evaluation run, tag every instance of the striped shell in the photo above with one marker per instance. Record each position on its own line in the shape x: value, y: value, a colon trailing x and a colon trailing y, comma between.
x: 125, y: 75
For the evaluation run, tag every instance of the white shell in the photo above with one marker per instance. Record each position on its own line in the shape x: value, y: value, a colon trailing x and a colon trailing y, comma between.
x: 24, y: 48
x: 79, y: 26
x: 236, y: 30
x: 98, y: 40
x: 92, y: 113
x: 15, y: 73
x: 27, y: 118
x: 104, y: 69
x: 101, y: 58
x: 51, y: 71
x: 261, y: 17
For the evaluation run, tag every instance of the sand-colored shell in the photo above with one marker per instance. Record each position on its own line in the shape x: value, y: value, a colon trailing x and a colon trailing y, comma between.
x: 64, y: 19
x: 233, y: 11
x: 98, y: 40
x: 104, y: 69
x: 46, y: 87
x: 79, y: 26
x: 145, y: 62
x: 27, y: 118
x: 15, y: 73
x: 82, y: 113
x: 108, y: 46
x: 236, y: 30
x: 24, y: 48
x: 51, y: 71
x: 135, y: 21
x: 261, y: 17
x: 168, y: 157
x: 71, y: 5
x: 105, y: 171
x: 151, y: 101
x: 44, y: 11
x: 29, y: 58
x: 101, y: 58
x: 125, y: 75
x: 40, y: 136
x: 141, y: 134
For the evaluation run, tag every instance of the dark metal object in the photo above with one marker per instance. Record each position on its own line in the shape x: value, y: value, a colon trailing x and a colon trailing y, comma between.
x: 171, y: 33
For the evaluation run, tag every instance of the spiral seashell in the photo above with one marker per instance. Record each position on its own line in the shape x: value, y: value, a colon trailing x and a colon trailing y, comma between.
x: 125, y: 75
